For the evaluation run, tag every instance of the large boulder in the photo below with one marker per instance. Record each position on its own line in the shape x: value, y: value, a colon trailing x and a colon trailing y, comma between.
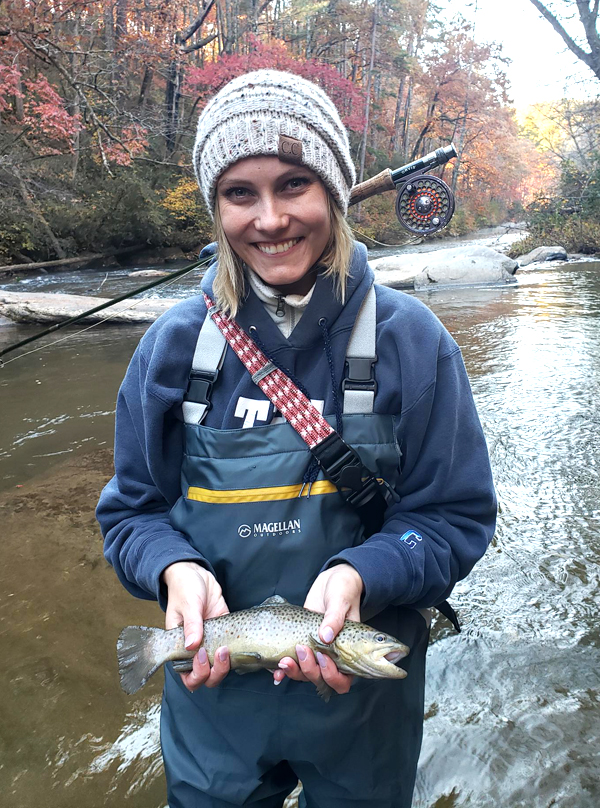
x: 541, y: 254
x: 445, y: 267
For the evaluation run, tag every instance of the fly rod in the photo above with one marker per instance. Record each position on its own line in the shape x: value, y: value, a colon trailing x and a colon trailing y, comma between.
x: 76, y: 318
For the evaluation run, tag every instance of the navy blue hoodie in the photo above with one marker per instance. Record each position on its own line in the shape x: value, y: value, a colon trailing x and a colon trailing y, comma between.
x: 446, y: 490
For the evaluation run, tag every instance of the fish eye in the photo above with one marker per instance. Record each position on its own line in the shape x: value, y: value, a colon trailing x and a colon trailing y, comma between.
x: 380, y: 638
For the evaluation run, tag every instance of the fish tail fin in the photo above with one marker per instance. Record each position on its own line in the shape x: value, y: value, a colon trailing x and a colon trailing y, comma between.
x: 138, y: 657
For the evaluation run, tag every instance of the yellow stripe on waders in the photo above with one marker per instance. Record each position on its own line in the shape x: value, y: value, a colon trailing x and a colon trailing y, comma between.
x: 260, y: 494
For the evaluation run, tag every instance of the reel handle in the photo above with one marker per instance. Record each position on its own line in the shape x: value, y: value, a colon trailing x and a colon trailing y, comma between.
x: 376, y: 185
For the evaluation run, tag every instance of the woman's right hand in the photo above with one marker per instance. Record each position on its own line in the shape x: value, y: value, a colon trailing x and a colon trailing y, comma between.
x: 194, y: 596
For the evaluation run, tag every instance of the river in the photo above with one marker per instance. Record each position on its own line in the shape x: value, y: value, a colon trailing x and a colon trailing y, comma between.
x: 513, y: 714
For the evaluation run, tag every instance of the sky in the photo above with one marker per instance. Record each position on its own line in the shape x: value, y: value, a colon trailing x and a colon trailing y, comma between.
x: 543, y: 68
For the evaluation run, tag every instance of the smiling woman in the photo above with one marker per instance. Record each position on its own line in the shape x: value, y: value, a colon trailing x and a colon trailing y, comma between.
x: 276, y: 219
x: 283, y: 223
x: 217, y: 504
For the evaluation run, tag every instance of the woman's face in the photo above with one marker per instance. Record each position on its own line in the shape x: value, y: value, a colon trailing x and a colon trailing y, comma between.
x: 276, y: 218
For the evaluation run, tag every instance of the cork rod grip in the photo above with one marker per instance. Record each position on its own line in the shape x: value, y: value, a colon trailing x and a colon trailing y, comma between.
x: 376, y: 185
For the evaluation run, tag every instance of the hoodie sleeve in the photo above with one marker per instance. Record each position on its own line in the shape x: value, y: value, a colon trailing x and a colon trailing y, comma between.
x: 446, y: 514
x: 133, y: 511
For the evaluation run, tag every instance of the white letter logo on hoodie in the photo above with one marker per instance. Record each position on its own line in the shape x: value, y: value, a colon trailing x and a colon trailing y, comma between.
x: 252, y: 411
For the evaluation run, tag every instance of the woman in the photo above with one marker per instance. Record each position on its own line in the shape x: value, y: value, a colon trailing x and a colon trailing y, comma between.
x: 216, y: 503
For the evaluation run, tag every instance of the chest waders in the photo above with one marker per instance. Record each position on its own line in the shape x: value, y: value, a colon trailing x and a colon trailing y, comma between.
x: 244, y: 507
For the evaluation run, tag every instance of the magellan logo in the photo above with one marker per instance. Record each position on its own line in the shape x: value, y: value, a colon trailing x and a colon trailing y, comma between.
x: 270, y: 529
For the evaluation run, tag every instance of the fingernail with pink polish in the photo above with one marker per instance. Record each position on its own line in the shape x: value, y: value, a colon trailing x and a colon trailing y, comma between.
x: 283, y: 665
x: 193, y: 638
x: 327, y: 634
x: 321, y: 659
x: 302, y: 653
x: 223, y: 654
x: 202, y: 656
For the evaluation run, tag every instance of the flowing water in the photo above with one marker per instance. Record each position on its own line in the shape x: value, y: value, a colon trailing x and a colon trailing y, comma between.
x: 513, y: 713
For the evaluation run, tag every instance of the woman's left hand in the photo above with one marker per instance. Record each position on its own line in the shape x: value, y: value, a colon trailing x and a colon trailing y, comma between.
x: 336, y: 592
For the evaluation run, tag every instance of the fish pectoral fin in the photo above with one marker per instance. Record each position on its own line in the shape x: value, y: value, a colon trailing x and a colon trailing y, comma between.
x: 246, y: 662
x: 324, y: 690
x: 327, y: 648
x: 183, y: 665
x: 272, y: 601
x: 243, y: 669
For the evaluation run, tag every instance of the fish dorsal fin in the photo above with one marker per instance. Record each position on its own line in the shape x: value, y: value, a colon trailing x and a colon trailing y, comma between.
x: 274, y: 600
x: 327, y: 648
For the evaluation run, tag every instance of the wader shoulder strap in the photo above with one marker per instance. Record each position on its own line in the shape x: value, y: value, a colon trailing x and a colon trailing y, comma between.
x: 359, y: 386
x: 208, y: 360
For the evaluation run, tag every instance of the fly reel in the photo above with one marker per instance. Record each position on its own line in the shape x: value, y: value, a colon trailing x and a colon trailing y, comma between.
x: 424, y: 204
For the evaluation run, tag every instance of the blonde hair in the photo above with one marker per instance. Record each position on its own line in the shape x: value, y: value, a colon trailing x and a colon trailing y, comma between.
x: 337, y: 255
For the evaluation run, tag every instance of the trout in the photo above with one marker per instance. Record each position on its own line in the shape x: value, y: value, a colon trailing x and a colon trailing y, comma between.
x: 257, y: 639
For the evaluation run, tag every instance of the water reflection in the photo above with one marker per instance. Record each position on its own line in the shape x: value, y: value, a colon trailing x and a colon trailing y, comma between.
x: 527, y: 734
x: 512, y: 705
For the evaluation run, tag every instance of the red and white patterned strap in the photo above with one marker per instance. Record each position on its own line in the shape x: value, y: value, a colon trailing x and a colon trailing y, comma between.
x: 278, y: 388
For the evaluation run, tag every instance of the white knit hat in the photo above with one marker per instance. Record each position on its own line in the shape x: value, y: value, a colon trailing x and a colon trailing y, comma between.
x: 269, y: 112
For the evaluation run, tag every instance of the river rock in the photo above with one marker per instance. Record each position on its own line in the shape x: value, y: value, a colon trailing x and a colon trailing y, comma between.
x: 454, y: 266
x: 541, y: 254
x: 148, y: 273
x: 55, y: 308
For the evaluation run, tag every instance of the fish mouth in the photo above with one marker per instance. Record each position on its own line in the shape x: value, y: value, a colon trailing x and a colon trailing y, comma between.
x: 381, y: 663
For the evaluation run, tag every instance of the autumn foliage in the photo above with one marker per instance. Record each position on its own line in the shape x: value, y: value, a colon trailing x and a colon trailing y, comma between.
x: 99, y: 100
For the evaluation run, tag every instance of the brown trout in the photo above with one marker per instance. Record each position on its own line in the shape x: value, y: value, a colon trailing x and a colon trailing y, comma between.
x: 258, y: 638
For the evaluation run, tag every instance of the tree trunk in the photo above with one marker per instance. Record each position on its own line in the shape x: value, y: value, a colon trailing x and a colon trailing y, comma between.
x: 395, y: 139
x: 121, y: 20
x: 172, y: 97
x: 414, y: 48
x: 407, y: 120
x: 109, y: 34
x: 145, y: 86
x: 36, y: 212
x: 363, y: 147
x: 75, y: 64
x: 461, y: 142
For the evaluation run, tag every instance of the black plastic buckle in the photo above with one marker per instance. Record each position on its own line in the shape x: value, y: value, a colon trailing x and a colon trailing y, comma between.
x: 360, y: 374
x: 342, y: 465
x: 200, y: 386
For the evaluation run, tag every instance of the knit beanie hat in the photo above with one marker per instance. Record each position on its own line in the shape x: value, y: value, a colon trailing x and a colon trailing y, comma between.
x: 269, y: 112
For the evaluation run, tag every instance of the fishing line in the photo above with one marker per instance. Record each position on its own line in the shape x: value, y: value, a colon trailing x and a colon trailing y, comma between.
x: 165, y: 281
x: 374, y: 240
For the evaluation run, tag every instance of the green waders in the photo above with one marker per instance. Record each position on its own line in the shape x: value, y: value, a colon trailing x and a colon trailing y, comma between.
x: 247, y: 742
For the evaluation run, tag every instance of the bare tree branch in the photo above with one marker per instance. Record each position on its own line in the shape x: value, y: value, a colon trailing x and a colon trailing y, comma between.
x: 589, y: 24
x: 200, y: 44
x: 191, y: 30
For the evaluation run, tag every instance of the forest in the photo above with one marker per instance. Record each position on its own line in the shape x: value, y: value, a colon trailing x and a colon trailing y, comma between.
x: 99, y: 100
